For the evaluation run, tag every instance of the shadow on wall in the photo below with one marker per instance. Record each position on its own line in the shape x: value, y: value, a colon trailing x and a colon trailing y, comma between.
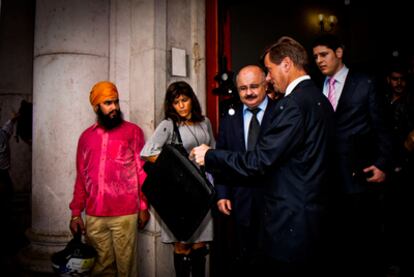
x: 24, y: 122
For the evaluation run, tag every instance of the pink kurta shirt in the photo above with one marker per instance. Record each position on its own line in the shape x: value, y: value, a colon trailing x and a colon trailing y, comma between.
x: 109, y: 171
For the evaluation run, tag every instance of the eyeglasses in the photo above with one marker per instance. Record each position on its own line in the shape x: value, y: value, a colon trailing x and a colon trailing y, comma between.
x: 251, y: 87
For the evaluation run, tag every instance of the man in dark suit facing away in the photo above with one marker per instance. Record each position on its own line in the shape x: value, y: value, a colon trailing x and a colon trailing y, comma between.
x: 291, y: 158
x: 243, y: 201
x: 362, y: 156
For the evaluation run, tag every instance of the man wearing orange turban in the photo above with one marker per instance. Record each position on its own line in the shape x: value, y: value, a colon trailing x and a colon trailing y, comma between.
x: 108, y: 185
x: 101, y: 92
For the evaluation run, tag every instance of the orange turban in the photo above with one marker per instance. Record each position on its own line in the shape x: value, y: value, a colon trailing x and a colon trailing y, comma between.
x: 103, y: 91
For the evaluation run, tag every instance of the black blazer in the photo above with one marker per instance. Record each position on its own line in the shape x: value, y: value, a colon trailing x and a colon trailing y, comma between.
x: 362, y: 136
x: 244, y: 196
x: 291, y: 156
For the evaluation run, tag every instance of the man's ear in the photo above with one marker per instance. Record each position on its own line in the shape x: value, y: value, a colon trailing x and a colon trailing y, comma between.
x: 286, y: 64
x: 339, y: 52
x: 95, y: 108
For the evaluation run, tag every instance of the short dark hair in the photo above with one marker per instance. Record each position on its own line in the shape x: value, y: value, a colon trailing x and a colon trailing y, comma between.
x: 175, y: 90
x: 398, y: 67
x: 329, y: 40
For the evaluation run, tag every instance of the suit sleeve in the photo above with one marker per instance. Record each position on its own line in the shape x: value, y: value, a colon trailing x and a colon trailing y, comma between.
x: 381, y: 128
x: 281, y: 138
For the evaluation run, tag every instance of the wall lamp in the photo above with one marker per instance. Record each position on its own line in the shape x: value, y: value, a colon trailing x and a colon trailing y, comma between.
x: 327, y: 23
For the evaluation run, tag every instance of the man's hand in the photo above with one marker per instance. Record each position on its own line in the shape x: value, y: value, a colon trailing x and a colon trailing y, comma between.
x: 76, y: 223
x: 224, y: 206
x: 378, y: 176
x: 198, y: 153
x: 143, y: 218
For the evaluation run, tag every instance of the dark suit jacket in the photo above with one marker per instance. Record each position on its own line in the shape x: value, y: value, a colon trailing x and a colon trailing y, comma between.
x: 362, y: 137
x: 292, y: 156
x: 231, y: 137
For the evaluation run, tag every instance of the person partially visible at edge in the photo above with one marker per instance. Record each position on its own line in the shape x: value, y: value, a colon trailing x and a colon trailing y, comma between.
x: 6, y: 131
x: 398, y: 188
x: 292, y: 157
x: 181, y: 107
x: 362, y: 158
x: 243, y: 202
x: 7, y: 236
x: 108, y: 185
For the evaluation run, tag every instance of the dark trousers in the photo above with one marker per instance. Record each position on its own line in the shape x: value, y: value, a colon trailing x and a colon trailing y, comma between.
x: 274, y: 268
x: 249, y: 256
x: 356, y: 235
x: 398, y: 227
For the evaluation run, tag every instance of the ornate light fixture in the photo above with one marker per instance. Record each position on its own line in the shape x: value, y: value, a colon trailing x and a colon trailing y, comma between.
x: 327, y: 23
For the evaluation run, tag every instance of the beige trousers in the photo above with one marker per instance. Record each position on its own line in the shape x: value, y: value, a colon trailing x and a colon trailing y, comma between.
x: 115, y: 240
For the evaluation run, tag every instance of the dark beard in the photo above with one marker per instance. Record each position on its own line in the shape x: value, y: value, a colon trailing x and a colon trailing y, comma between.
x: 107, y: 122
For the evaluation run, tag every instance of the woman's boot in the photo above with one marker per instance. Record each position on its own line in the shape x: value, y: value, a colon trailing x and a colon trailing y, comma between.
x: 182, y: 265
x: 198, y: 262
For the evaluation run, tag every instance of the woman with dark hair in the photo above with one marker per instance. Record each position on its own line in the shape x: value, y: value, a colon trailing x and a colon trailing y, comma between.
x: 181, y: 107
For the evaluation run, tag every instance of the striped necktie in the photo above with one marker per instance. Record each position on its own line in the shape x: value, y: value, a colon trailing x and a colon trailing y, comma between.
x: 331, y: 92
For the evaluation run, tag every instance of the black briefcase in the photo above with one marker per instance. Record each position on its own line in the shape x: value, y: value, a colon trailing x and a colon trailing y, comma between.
x: 179, y: 192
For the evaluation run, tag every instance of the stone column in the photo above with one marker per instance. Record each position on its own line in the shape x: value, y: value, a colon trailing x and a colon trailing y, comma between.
x: 148, y: 85
x: 156, y: 27
x: 71, y: 54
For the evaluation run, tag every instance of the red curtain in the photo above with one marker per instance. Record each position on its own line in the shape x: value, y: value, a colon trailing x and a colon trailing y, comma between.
x: 218, y: 46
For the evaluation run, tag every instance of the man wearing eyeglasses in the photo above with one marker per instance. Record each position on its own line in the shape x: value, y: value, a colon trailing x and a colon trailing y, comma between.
x: 290, y: 160
x: 243, y: 202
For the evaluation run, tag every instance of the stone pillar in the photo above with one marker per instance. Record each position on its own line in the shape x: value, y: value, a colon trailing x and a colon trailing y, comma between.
x: 156, y: 27
x: 78, y: 43
x: 71, y: 54
x: 148, y: 85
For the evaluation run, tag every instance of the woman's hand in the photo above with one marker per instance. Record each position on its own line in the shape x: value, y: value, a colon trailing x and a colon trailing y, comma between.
x: 143, y: 218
